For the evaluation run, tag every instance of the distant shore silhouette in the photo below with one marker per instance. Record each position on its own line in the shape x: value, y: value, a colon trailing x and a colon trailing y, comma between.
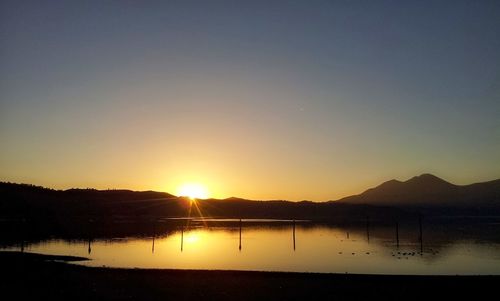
x: 425, y: 193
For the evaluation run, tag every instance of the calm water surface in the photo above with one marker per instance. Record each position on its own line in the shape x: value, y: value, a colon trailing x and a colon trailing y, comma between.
x: 281, y: 248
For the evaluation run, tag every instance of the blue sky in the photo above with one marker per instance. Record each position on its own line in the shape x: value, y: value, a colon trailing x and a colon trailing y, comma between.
x: 260, y: 99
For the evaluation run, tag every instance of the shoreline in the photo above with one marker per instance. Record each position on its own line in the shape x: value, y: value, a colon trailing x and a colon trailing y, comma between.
x: 73, y: 260
x: 31, y: 275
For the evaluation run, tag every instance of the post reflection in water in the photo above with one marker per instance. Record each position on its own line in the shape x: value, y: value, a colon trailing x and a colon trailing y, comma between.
x: 240, y: 236
x: 368, y: 229
x: 182, y: 238
x: 397, y: 235
x: 420, y: 237
x: 154, y: 236
x: 323, y: 249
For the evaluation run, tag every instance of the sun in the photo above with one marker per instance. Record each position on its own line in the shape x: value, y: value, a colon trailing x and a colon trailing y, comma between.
x: 193, y: 191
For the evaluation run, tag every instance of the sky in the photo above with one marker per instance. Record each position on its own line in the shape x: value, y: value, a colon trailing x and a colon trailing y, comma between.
x: 267, y: 99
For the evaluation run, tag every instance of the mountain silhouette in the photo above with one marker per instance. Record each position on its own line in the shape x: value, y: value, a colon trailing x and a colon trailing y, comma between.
x: 429, y: 190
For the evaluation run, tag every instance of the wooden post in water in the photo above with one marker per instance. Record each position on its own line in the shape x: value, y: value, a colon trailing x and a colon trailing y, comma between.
x: 153, y: 248
x: 397, y: 235
x: 347, y: 234
x: 421, y: 238
x: 368, y: 228
x: 294, y: 235
x: 23, y: 230
x: 154, y: 235
x: 182, y: 238
x: 240, y: 235
x: 90, y: 232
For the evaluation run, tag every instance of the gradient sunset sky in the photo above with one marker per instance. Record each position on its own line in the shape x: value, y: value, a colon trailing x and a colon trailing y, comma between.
x: 257, y: 99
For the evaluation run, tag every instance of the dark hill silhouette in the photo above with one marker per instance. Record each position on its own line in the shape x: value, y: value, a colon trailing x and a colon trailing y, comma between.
x: 36, y: 212
x: 425, y: 193
x: 428, y: 190
x: 22, y: 201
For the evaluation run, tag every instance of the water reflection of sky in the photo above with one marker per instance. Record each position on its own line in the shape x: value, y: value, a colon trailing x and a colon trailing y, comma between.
x: 317, y: 249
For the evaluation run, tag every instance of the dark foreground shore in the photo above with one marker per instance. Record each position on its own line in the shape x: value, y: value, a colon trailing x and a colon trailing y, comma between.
x: 33, y: 276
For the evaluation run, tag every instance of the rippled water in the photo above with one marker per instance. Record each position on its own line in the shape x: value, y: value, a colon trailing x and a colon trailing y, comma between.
x: 284, y: 247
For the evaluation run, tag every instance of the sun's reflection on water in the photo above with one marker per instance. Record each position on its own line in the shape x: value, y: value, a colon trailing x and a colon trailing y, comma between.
x: 280, y: 248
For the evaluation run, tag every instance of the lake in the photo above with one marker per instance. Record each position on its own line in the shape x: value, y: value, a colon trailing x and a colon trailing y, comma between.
x: 281, y: 245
